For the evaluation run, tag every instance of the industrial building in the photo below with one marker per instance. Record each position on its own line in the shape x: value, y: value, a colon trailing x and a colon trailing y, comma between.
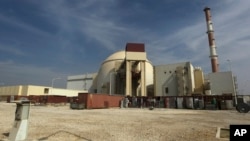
x: 126, y: 72
x: 129, y: 73
x: 120, y: 75
x: 31, y: 90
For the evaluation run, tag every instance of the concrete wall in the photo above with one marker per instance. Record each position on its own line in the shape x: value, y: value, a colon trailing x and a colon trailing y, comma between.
x: 221, y: 83
x: 65, y: 92
x: 81, y: 82
x: 168, y: 78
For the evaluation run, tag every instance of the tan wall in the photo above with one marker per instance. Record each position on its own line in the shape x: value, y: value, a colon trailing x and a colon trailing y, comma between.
x: 136, y: 55
x: 199, y: 81
x: 26, y: 90
x: 191, y: 82
x: 23, y: 90
x: 35, y: 90
x: 10, y: 90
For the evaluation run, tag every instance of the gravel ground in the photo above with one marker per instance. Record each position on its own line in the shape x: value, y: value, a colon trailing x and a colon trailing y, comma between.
x: 60, y: 123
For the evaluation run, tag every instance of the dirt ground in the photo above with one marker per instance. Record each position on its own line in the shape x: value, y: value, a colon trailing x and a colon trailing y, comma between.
x: 59, y: 123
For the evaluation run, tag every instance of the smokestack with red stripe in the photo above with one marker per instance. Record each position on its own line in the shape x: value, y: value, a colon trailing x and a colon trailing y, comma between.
x: 211, y: 40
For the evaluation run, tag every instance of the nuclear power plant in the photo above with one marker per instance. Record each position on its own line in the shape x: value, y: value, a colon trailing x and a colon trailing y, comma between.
x: 128, y: 73
x: 129, y: 83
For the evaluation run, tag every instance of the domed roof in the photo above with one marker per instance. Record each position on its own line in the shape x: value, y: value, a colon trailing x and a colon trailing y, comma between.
x: 120, y: 55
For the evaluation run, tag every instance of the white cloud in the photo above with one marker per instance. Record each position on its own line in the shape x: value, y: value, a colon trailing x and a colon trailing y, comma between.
x: 91, y: 23
x: 20, y: 74
x: 8, y: 62
x: 11, y: 50
x: 22, y: 25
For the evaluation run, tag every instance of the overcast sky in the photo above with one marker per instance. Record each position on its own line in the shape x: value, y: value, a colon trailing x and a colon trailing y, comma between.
x: 42, y: 40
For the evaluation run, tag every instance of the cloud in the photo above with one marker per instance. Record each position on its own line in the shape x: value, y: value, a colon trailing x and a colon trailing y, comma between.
x: 8, y: 62
x: 12, y: 50
x: 232, y: 37
x: 90, y: 24
x: 15, y: 23
x: 20, y: 74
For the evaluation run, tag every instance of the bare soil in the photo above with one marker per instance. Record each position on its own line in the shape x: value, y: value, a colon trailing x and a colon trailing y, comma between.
x: 60, y: 123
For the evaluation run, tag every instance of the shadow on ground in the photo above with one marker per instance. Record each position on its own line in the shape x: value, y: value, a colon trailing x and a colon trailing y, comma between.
x: 61, y: 131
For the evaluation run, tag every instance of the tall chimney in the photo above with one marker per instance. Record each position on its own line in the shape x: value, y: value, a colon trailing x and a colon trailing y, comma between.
x: 211, y: 40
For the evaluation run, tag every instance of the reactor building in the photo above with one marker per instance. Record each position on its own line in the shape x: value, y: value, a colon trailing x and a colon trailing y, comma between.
x: 127, y: 72
x: 130, y: 73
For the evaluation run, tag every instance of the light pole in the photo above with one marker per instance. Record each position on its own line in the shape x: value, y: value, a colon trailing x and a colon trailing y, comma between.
x: 230, y: 65
x: 234, y: 90
x: 110, y: 82
x: 52, y: 83
x: 85, y: 81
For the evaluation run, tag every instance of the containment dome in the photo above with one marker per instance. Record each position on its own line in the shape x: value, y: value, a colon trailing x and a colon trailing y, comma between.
x: 112, y: 74
x: 120, y: 55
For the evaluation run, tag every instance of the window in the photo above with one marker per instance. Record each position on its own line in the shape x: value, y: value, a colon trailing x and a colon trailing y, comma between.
x: 46, y: 90
x: 166, y: 90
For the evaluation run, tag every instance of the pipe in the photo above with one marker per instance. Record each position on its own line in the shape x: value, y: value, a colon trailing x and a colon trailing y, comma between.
x: 210, y: 32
